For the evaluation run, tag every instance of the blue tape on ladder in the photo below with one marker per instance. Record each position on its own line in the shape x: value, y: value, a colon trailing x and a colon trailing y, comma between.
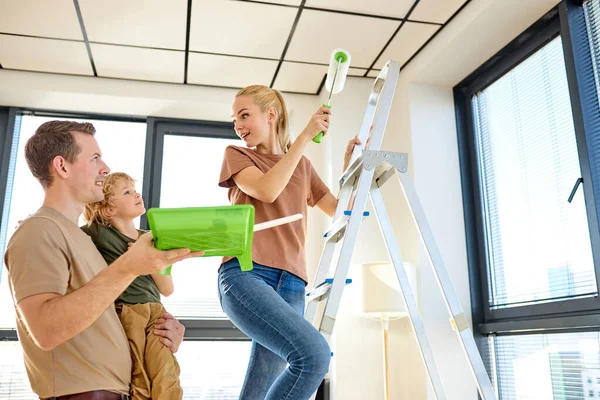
x: 330, y: 280
x: 349, y: 212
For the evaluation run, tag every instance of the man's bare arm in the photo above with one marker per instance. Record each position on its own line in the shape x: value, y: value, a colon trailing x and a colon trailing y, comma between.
x: 52, y: 319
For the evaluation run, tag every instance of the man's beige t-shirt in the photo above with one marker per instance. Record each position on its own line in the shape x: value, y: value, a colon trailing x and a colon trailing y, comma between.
x: 282, y: 247
x: 50, y: 254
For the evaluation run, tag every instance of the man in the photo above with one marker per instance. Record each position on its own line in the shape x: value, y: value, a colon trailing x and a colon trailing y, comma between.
x: 73, y: 343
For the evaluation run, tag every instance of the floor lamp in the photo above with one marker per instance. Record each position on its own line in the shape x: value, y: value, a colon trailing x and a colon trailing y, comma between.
x: 382, y: 300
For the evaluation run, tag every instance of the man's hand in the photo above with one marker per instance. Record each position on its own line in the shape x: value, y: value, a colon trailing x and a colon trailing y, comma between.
x: 142, y: 258
x: 170, y: 331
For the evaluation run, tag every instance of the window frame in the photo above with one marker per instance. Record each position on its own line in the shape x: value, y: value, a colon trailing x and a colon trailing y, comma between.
x: 156, y: 129
x: 575, y: 314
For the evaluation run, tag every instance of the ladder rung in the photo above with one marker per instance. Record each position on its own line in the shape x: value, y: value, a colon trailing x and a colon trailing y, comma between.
x: 339, y: 225
x: 349, y: 212
x: 351, y: 171
x: 322, y: 289
x: 330, y: 280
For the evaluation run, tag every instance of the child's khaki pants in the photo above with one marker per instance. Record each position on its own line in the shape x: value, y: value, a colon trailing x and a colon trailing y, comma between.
x: 155, y: 373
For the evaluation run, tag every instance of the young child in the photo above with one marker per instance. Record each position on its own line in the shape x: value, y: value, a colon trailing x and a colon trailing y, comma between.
x: 289, y: 357
x: 110, y: 224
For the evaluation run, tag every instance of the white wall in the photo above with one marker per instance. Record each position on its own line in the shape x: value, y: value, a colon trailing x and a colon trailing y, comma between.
x: 437, y: 180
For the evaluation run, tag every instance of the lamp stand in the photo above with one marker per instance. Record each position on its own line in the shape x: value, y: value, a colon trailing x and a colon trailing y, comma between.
x: 385, y: 324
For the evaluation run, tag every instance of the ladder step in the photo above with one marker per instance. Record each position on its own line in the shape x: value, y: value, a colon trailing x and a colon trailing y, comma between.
x: 349, y: 212
x: 351, y: 171
x: 322, y: 289
x: 339, y: 226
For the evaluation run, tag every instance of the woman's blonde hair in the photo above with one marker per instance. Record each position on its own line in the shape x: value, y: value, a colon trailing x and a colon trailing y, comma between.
x: 97, y: 212
x: 265, y: 97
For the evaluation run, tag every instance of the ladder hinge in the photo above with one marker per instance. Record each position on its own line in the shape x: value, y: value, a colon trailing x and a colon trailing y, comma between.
x: 372, y: 158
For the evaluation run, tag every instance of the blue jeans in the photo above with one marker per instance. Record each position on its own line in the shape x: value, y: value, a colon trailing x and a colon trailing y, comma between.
x: 289, y: 357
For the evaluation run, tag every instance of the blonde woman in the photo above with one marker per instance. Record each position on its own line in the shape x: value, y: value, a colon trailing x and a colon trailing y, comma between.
x: 289, y: 357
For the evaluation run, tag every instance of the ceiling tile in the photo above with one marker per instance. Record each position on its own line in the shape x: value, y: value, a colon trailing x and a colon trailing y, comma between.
x: 285, y: 2
x: 303, y: 78
x: 208, y: 69
x: 318, y: 33
x: 136, y: 63
x: 47, y: 55
x: 373, y: 73
x: 56, y: 19
x: 148, y: 23
x: 409, y: 39
x: 390, y: 8
x: 436, y: 10
x: 240, y: 28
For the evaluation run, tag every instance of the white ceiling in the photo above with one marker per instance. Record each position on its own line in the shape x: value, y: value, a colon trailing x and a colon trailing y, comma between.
x: 285, y: 44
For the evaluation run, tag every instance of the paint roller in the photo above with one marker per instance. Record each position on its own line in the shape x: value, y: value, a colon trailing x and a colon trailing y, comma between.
x: 339, y: 64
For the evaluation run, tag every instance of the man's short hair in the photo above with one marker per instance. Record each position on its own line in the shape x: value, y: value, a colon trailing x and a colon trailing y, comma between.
x: 51, y: 139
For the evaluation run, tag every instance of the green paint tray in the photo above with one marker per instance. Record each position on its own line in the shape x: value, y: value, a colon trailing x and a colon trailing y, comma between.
x: 218, y: 231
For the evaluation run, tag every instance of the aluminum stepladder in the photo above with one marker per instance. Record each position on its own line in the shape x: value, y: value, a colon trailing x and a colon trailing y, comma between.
x: 369, y: 169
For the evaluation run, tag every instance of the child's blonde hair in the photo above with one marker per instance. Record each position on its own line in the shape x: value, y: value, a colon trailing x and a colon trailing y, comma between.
x: 96, y: 212
x: 265, y: 97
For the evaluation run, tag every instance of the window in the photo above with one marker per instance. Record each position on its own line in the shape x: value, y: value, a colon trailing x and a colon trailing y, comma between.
x: 14, y: 383
x: 213, y: 370
x: 214, y: 356
x: 592, y: 21
x: 537, y: 242
x: 529, y: 135
x: 118, y: 141
x: 185, y: 182
x: 24, y: 196
x: 557, y: 366
x: 209, y: 370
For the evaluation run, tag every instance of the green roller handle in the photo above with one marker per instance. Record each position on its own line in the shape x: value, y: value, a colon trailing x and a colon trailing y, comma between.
x: 317, y: 139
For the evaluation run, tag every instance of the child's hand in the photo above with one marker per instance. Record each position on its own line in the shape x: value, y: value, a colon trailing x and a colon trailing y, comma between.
x: 355, y: 141
x: 318, y: 122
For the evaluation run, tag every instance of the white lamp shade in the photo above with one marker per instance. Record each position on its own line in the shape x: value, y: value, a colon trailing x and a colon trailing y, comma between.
x: 381, y: 291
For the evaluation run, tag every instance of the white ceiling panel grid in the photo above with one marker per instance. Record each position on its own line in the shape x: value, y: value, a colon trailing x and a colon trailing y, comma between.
x: 51, y: 19
x: 227, y: 43
x: 318, y: 33
x: 305, y: 78
x: 357, y: 71
x: 45, y: 55
x: 295, y: 3
x: 148, y: 23
x: 137, y: 63
x: 389, y: 8
x: 407, y: 42
x: 436, y: 10
x: 239, y: 28
x: 208, y: 69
